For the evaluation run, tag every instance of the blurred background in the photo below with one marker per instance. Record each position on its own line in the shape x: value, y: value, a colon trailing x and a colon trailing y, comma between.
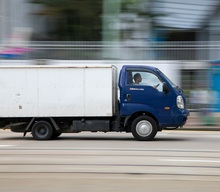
x: 184, y: 33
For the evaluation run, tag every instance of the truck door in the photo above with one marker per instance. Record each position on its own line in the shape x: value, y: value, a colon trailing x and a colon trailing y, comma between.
x: 143, y: 91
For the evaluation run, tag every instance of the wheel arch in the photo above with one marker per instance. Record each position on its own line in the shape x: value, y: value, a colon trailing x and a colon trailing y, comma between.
x: 35, y: 119
x: 130, y: 119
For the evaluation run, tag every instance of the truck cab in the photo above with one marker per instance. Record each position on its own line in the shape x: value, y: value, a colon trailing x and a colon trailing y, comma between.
x: 151, y: 105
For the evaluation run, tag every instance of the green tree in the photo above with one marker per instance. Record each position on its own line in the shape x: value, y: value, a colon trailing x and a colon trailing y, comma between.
x: 81, y: 20
x: 77, y: 20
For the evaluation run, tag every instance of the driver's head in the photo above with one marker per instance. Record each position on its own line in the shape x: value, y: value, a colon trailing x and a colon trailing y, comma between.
x: 137, y: 78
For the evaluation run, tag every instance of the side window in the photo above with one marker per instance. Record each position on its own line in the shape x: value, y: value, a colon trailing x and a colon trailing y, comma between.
x: 144, y: 78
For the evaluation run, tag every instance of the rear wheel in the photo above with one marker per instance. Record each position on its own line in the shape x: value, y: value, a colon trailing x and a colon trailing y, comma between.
x: 42, y: 130
x: 144, y: 128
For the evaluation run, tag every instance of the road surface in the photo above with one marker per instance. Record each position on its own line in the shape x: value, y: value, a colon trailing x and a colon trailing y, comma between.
x: 179, y: 160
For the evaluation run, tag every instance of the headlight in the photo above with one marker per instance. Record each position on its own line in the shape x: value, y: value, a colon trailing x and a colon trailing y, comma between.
x: 180, y: 102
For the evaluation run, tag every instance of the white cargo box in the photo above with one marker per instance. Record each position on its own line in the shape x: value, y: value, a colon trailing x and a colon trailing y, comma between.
x: 57, y: 91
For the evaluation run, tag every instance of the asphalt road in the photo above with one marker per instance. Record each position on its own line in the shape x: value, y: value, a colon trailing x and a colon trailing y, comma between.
x: 180, y: 160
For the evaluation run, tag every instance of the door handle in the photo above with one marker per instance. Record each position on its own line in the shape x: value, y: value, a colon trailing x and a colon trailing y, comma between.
x: 128, y: 97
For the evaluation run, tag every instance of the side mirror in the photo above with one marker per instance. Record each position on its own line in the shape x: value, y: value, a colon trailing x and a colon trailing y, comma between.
x: 165, y: 88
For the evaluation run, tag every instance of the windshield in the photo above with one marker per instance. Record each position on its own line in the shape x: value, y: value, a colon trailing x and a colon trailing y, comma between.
x: 165, y: 77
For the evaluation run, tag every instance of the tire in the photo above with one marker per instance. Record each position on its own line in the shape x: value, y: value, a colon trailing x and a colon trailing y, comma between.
x: 144, y: 128
x: 42, y: 130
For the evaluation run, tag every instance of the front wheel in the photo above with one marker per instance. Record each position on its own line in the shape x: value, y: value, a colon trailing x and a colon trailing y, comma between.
x: 144, y: 128
x: 42, y: 130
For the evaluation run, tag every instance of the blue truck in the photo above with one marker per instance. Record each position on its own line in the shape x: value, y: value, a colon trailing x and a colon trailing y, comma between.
x: 48, y: 100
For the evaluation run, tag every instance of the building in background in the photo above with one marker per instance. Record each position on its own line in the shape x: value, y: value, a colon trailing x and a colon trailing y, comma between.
x: 19, y: 14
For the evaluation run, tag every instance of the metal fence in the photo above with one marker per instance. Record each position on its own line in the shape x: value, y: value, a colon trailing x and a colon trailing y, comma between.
x: 193, y: 76
x: 132, y: 50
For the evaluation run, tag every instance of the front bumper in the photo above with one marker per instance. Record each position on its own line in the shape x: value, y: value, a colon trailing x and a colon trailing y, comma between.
x: 181, y: 116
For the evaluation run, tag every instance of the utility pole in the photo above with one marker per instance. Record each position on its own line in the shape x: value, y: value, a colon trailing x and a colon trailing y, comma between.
x: 5, y: 19
x: 111, y: 29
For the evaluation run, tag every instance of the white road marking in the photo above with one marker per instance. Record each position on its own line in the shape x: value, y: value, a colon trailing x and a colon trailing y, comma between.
x: 191, y: 160
x: 7, y: 145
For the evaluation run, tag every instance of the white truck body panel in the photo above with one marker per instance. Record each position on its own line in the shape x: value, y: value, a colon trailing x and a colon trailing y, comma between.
x: 57, y: 91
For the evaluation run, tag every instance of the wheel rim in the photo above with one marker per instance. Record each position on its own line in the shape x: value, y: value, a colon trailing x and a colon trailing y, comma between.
x: 41, y: 131
x: 144, y: 128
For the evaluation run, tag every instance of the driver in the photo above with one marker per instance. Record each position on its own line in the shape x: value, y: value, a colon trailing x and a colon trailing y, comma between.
x: 137, y: 78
